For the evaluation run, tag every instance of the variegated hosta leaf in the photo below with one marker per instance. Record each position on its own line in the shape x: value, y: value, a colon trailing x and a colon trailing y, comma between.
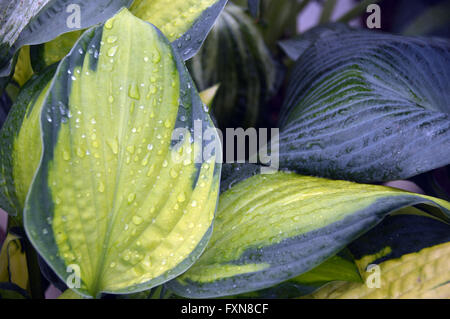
x: 412, y: 253
x: 279, y: 19
x: 20, y: 144
x: 407, y: 231
x: 427, y: 277
x: 337, y: 268
x: 271, y: 228
x: 13, y: 261
x: 23, y: 69
x: 186, y: 23
x: 114, y: 195
x: 33, y: 22
x: 53, y: 51
x: 368, y: 106
x: 235, y: 56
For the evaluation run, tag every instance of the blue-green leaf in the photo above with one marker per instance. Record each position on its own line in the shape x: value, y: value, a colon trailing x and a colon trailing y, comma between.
x: 367, y: 106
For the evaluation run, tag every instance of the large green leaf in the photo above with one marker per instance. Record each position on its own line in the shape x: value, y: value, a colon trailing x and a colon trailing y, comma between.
x: 185, y: 22
x: 20, y: 144
x: 235, y: 56
x: 33, y: 22
x: 114, y: 194
x: 271, y: 228
x: 412, y: 253
x: 367, y: 106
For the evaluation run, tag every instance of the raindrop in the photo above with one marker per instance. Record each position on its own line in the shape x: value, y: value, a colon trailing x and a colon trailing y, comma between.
x: 181, y: 197
x: 101, y: 187
x: 133, y: 92
x: 137, y: 220
x: 156, y: 57
x: 186, y: 52
x: 109, y: 24
x: 173, y: 173
x: 112, y: 51
x: 111, y: 39
x: 131, y: 197
x: 66, y: 155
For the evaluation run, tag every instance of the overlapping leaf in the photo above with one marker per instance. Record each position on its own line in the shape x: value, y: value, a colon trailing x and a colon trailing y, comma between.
x: 412, y: 253
x: 114, y: 196
x: 271, y: 228
x: 20, y: 148
x: 13, y: 262
x: 337, y: 268
x: 367, y: 106
x: 185, y: 22
x: 34, y: 22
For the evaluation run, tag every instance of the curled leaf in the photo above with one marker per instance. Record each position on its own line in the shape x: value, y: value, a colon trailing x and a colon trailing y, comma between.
x: 271, y: 228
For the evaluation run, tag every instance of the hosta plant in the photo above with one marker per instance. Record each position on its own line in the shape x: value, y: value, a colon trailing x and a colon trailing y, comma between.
x: 111, y: 163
